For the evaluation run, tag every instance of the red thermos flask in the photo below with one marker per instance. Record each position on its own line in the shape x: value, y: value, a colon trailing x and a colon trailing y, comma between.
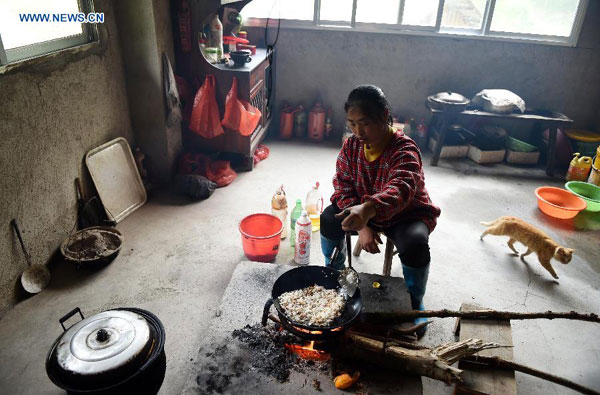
x: 316, y: 123
x: 286, y: 122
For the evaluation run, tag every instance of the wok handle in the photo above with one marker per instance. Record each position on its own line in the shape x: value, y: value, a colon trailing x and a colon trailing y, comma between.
x: 69, y: 315
x: 265, y: 315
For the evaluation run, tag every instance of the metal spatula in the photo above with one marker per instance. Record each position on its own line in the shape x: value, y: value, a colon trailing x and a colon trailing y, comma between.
x: 348, y: 278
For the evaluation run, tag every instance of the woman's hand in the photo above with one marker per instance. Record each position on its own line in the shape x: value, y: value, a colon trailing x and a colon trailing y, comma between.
x: 369, y: 240
x: 356, y: 217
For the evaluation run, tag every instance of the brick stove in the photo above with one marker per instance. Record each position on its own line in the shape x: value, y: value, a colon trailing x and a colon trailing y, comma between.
x: 227, y: 365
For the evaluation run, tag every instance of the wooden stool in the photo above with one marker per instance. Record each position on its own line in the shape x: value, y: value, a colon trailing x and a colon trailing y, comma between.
x: 387, y: 260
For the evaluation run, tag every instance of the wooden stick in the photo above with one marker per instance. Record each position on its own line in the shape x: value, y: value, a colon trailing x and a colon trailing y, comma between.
x: 485, y: 314
x: 509, y: 365
x: 388, y: 340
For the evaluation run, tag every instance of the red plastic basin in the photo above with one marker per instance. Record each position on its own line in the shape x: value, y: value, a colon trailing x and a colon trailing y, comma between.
x: 559, y: 203
x: 261, y: 235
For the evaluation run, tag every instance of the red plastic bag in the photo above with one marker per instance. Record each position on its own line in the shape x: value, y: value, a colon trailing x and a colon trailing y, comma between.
x: 219, y: 171
x: 240, y: 115
x: 261, y: 153
x: 205, y: 119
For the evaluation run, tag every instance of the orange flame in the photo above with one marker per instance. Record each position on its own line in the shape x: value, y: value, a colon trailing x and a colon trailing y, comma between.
x: 308, y: 351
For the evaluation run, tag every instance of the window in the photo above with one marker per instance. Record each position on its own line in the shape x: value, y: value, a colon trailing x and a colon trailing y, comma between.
x: 30, y: 28
x: 550, y: 21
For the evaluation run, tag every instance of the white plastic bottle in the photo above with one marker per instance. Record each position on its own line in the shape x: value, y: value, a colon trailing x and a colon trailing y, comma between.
x: 279, y: 208
x: 216, y: 36
x: 303, y: 238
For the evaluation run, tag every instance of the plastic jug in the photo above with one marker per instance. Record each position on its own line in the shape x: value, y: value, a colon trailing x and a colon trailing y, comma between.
x: 296, y: 213
x: 579, y: 168
x: 314, y: 206
x: 286, y: 122
x: 316, y: 123
x: 303, y: 238
x: 279, y: 208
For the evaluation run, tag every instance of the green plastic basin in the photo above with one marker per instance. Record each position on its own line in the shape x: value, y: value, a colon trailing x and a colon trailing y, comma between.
x: 588, y: 192
x: 514, y: 144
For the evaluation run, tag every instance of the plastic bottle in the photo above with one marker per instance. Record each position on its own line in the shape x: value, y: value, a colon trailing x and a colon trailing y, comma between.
x: 328, y: 124
x: 296, y: 213
x: 579, y: 168
x: 314, y: 206
x: 216, y: 36
x: 202, y: 41
x: 299, y: 122
x: 303, y: 237
x: 279, y: 208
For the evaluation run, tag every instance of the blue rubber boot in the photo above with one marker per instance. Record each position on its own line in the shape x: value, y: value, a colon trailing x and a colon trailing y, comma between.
x: 327, y: 246
x: 416, y: 282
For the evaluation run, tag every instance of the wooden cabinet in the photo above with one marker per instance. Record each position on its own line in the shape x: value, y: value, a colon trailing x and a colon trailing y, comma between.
x: 252, y: 87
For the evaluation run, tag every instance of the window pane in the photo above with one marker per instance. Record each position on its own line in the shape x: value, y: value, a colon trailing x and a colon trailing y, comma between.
x: 284, y: 9
x: 546, y: 17
x: 382, y: 11
x: 336, y: 10
x: 17, y: 34
x: 420, y: 12
x: 463, y: 14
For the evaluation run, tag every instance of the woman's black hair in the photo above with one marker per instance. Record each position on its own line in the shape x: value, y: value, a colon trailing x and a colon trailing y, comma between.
x: 371, y: 101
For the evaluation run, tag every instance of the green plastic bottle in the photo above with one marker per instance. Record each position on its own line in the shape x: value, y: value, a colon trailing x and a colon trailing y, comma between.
x: 296, y: 213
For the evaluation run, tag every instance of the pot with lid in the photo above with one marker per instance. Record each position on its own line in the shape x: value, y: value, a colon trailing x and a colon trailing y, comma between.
x: 448, y: 102
x: 113, y: 352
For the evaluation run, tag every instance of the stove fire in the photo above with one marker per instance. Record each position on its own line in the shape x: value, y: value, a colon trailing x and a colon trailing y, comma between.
x: 308, y: 351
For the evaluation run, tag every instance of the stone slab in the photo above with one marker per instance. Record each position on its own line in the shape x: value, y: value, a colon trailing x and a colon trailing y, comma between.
x: 221, y: 366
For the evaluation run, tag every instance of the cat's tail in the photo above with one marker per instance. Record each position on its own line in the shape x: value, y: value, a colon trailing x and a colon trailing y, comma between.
x: 490, y: 223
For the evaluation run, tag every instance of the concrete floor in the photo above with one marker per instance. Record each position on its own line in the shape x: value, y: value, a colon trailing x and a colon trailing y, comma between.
x: 178, y: 258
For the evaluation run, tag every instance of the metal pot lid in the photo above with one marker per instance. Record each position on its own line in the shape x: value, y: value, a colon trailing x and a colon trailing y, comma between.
x: 103, y: 342
x: 450, y: 98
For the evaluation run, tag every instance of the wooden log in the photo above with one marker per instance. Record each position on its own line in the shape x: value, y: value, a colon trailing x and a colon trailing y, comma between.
x: 509, y: 365
x: 434, y: 363
x: 395, y: 317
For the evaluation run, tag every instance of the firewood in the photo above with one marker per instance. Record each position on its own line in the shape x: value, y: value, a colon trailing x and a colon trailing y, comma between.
x: 434, y: 363
x: 394, y: 317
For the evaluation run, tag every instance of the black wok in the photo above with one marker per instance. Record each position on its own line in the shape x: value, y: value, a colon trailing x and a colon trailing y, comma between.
x: 305, y: 276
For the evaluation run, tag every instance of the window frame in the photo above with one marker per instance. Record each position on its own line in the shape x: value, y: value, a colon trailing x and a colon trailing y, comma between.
x: 483, y: 33
x: 89, y: 34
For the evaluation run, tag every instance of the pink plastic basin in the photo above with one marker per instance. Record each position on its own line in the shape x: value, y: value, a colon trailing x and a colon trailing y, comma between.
x: 559, y: 203
x: 261, y: 235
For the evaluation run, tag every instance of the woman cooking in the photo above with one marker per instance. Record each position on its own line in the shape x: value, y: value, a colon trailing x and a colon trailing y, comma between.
x: 379, y: 186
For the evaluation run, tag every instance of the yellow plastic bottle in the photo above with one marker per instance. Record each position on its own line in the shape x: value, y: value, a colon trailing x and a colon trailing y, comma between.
x: 580, y: 168
x: 314, y: 207
x: 595, y: 173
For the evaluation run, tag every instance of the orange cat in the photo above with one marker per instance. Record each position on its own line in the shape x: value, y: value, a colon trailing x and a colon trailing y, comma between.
x: 534, y: 239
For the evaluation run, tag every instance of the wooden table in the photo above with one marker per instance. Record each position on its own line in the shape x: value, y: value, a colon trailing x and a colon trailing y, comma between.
x: 542, y: 120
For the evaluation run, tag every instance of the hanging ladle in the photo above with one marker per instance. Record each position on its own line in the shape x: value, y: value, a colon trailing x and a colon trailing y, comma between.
x: 36, y: 277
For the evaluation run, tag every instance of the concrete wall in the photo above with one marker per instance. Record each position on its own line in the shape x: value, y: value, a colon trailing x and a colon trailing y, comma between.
x: 409, y: 68
x: 145, y: 33
x: 51, y: 114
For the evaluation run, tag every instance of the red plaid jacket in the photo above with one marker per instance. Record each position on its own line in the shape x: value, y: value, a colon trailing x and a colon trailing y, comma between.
x: 394, y: 182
